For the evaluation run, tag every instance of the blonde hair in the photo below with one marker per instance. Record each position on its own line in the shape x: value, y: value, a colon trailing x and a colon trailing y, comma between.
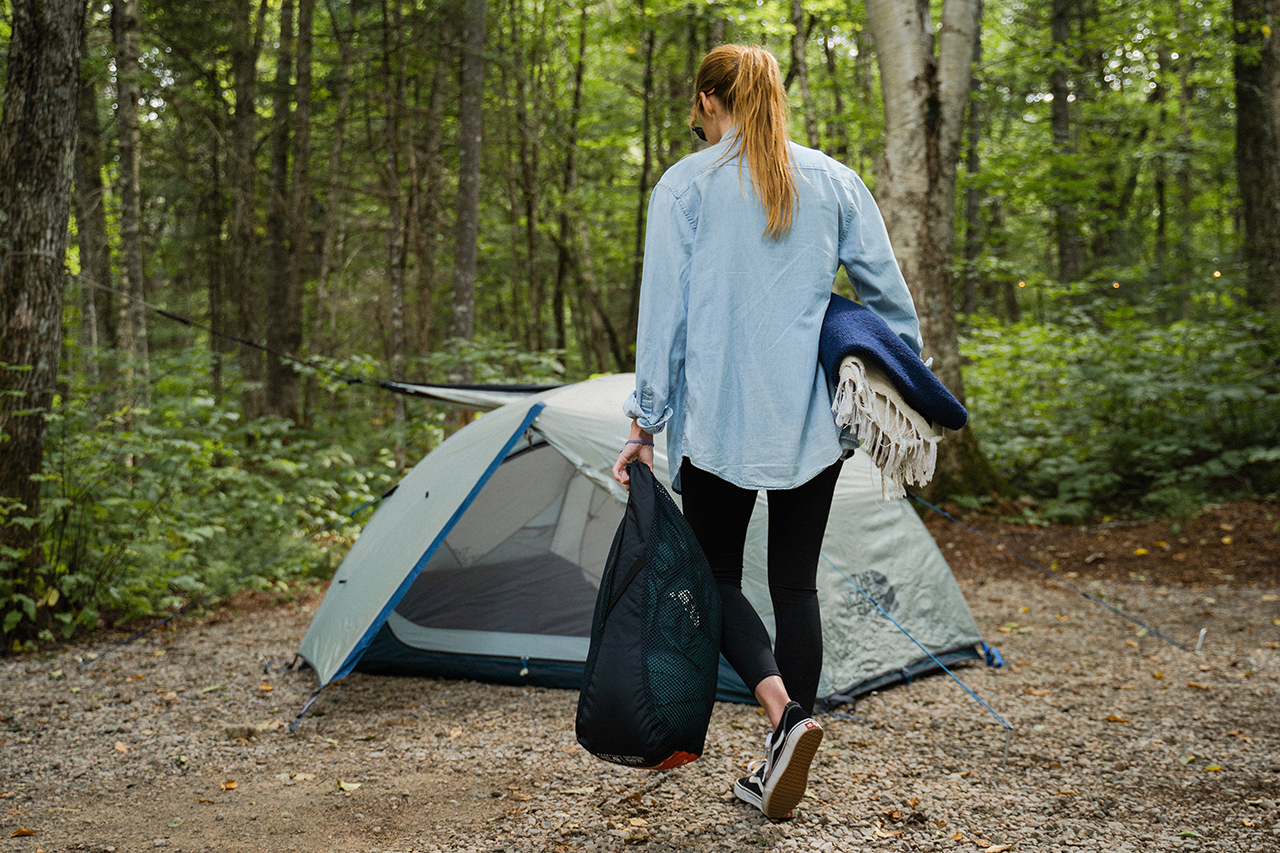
x: 748, y: 83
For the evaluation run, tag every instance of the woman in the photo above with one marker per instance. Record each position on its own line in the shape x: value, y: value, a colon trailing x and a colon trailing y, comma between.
x: 744, y: 241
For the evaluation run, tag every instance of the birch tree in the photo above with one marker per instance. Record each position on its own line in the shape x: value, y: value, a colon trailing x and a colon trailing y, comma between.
x: 925, y: 81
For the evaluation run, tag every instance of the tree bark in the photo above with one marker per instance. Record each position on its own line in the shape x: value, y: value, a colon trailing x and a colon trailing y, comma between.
x: 277, y: 273
x: 924, y: 102
x: 126, y: 24
x: 800, y: 71
x: 1257, y: 158
x: 37, y: 147
x: 471, y: 132
x: 246, y: 46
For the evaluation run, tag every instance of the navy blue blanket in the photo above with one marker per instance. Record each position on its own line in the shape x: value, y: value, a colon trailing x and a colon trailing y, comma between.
x: 852, y: 329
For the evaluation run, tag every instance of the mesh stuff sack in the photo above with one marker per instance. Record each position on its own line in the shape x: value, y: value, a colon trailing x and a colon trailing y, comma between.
x: 650, y: 678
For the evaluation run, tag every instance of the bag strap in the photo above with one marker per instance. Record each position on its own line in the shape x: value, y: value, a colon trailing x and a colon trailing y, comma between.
x: 640, y: 477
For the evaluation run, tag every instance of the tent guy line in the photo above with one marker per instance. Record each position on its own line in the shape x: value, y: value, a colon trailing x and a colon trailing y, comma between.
x: 1001, y: 720
x: 1056, y: 578
x: 84, y: 662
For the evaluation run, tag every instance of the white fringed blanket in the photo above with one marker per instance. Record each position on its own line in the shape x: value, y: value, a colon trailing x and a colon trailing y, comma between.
x: 901, y: 442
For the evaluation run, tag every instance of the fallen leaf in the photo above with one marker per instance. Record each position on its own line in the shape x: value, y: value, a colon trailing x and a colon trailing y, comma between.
x: 913, y: 801
x: 207, y: 800
x: 524, y: 798
x: 1226, y: 540
x: 1157, y: 674
x: 348, y: 786
x: 998, y: 848
x: 981, y: 842
x: 229, y: 785
x: 959, y: 836
x: 880, y: 833
x: 638, y: 821
x: 1116, y: 718
x: 1246, y: 821
x: 304, y: 777
x: 22, y: 833
x: 588, y: 790
x: 1187, y: 759
x: 1140, y: 552
x: 1195, y: 685
x: 1036, y: 691
x: 265, y: 688
x: 1133, y: 644
x: 1189, y: 833
x: 121, y: 746
x: 1213, y: 768
x: 1271, y: 598
x: 214, y: 688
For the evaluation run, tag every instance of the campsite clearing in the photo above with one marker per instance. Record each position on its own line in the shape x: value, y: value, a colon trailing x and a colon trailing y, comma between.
x: 1122, y: 741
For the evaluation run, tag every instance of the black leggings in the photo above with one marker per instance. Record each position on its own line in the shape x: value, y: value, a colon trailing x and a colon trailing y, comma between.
x: 719, y: 512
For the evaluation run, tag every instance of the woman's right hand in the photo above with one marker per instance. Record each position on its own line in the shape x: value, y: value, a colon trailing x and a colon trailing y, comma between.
x: 639, y: 446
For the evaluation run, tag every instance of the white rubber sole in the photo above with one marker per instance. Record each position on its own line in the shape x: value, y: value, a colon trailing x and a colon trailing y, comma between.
x: 788, y: 781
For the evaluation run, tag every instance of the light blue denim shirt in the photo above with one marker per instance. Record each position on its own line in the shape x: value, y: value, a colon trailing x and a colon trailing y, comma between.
x: 727, y: 345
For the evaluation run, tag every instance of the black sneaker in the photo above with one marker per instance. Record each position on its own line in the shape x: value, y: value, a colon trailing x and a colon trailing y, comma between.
x: 790, y: 749
x: 749, y: 789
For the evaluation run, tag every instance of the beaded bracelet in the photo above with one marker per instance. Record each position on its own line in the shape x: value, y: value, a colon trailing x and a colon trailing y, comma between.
x: 638, y: 441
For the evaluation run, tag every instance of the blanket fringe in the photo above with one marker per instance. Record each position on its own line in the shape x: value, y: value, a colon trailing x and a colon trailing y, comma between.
x: 900, y: 442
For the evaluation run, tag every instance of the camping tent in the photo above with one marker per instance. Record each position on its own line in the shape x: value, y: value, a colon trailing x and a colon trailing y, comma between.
x: 485, y: 561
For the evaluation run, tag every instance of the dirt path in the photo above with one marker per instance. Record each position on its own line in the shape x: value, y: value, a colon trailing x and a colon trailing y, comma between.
x: 1121, y: 743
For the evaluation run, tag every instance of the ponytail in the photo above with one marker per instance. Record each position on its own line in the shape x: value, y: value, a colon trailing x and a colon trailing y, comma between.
x: 748, y: 83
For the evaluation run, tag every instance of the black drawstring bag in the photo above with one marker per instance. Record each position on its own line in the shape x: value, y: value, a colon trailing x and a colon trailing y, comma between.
x: 650, y: 678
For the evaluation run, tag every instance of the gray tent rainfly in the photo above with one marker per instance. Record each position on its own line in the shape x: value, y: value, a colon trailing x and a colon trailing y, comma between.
x: 485, y: 562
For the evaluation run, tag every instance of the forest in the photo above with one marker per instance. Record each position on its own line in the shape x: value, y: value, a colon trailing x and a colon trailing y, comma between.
x: 223, y: 226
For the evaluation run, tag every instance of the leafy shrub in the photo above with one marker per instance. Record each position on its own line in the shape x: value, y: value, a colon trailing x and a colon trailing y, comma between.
x: 1118, y: 414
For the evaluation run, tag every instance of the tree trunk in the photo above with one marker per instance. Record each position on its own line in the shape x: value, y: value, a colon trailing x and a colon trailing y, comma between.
x: 428, y: 177
x: 1257, y: 157
x: 924, y: 102
x: 97, y: 326
x: 642, y: 188
x: 133, y: 320
x: 286, y: 394
x: 331, y: 245
x: 37, y: 147
x: 1066, y: 226
x: 973, y: 196
x: 800, y: 71
x: 837, y: 126
x: 569, y: 184
x: 470, y: 131
x: 277, y: 274
x: 393, y: 74
x: 246, y: 46
x: 528, y: 152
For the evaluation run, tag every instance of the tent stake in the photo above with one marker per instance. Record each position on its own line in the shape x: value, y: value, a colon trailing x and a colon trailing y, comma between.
x: 1008, y: 736
x: 1200, y: 639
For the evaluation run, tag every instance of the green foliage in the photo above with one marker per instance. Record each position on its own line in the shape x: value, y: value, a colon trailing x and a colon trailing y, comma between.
x: 143, y: 511
x: 1109, y: 411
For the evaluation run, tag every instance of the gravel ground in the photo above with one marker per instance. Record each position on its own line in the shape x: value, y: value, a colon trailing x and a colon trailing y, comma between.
x: 1120, y: 743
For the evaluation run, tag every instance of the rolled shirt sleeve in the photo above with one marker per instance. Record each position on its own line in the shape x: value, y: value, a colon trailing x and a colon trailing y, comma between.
x: 662, y: 324
x: 867, y: 256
